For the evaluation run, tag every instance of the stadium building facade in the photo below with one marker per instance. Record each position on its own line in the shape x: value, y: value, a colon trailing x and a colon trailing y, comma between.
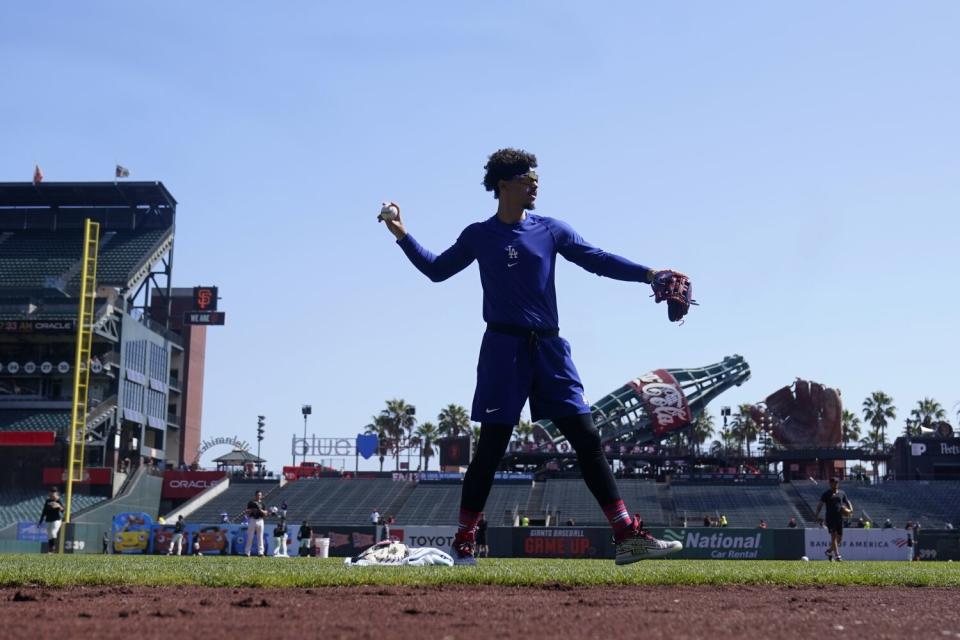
x: 142, y: 363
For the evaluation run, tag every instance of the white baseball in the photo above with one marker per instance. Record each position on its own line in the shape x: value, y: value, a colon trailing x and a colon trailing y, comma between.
x: 389, y: 211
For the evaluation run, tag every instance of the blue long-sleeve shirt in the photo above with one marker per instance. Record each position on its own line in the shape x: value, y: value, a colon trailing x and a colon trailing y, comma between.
x: 517, y: 266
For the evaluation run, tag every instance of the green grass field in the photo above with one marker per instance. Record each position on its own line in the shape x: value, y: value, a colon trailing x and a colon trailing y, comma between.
x: 61, y: 571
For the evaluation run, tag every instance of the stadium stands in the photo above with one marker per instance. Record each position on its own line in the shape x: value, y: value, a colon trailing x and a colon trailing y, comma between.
x: 34, y: 420
x: 233, y: 501
x: 440, y: 504
x: 28, y: 258
x: 334, y: 501
x: 122, y: 254
x: 743, y: 506
x: 933, y: 504
x: 25, y: 505
x: 571, y: 499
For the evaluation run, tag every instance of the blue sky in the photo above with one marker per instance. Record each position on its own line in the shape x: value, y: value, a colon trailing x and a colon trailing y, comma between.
x: 799, y: 161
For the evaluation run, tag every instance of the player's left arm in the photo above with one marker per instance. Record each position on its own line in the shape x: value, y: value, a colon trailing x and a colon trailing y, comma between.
x: 595, y: 260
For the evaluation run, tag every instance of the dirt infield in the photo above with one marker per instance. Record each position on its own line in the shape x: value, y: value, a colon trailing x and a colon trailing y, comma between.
x: 481, y: 612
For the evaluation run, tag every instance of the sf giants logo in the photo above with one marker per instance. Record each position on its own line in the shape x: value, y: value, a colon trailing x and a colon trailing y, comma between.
x: 205, y: 298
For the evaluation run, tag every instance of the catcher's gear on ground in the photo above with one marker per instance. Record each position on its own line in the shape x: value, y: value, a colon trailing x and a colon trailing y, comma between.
x: 676, y: 289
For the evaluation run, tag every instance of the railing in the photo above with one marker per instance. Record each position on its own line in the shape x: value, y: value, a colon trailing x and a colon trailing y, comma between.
x: 174, y: 383
x: 173, y: 419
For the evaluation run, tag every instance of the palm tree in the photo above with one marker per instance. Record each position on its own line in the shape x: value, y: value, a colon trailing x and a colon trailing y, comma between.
x: 877, y: 410
x: 425, y: 435
x: 703, y: 428
x: 524, y: 432
x: 400, y: 420
x: 475, y: 438
x: 380, y: 427
x: 716, y: 448
x: 926, y: 412
x: 453, y: 421
x: 744, y: 427
x: 850, y: 425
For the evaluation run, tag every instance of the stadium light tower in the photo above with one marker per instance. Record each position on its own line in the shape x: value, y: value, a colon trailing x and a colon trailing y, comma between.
x: 306, y: 410
x: 261, y: 423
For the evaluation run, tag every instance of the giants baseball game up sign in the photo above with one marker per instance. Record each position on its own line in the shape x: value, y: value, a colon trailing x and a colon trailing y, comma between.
x: 664, y: 400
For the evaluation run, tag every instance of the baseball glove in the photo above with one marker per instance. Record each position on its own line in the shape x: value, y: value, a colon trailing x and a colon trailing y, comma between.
x: 676, y: 289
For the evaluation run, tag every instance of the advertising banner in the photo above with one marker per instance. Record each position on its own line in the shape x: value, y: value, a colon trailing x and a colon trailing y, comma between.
x: 186, y: 484
x: 31, y: 532
x: 562, y: 542
x: 663, y: 399
x: 346, y: 542
x: 939, y: 545
x: 861, y: 544
x: 721, y: 543
x: 53, y: 476
x: 131, y: 532
x: 417, y: 536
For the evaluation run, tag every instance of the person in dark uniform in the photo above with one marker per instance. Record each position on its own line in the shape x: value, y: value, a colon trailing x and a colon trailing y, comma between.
x: 838, y: 506
x: 482, y: 548
x: 304, y: 535
x: 256, y: 512
x: 52, y: 515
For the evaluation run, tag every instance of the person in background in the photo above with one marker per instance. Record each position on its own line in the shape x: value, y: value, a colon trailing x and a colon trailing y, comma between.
x: 280, y: 537
x: 256, y: 512
x: 106, y: 542
x: 177, y: 540
x: 792, y: 523
x: 482, y: 549
x: 52, y: 515
x: 837, y: 503
x: 763, y: 524
x: 524, y: 521
x: 224, y: 518
x: 375, y: 517
x: 706, y: 521
x: 305, y: 535
x: 723, y: 520
x: 887, y: 524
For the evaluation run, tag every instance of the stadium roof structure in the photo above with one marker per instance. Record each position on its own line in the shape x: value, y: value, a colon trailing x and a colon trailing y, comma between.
x: 84, y: 194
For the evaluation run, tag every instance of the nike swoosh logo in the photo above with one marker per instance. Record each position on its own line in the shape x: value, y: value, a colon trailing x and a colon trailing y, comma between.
x: 511, y: 264
x: 492, y: 410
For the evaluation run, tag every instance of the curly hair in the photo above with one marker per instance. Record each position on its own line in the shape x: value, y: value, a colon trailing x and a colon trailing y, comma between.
x: 504, y: 164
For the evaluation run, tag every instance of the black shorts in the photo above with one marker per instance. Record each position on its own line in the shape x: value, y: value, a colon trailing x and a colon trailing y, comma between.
x: 482, y: 538
x: 835, y: 525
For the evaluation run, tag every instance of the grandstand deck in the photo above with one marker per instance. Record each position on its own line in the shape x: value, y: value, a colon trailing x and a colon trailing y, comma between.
x: 233, y: 502
x: 26, y: 505
x: 572, y: 499
x: 931, y: 503
x: 743, y: 506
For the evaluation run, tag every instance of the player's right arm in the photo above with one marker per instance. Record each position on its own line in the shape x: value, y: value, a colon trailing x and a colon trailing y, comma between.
x: 437, y: 268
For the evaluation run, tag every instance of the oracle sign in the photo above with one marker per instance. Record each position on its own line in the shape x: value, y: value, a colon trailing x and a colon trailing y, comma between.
x: 186, y: 484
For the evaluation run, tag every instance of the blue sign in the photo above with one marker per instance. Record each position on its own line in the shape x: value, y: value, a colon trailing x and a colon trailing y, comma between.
x: 31, y: 532
x: 367, y: 444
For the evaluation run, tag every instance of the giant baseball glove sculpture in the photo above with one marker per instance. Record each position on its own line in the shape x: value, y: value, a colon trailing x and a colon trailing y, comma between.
x: 808, y: 414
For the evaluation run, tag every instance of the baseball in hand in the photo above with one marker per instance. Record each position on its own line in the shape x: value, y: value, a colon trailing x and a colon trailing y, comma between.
x: 388, y: 211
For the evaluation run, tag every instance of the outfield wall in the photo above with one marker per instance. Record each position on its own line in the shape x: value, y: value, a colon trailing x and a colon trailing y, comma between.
x: 549, y: 542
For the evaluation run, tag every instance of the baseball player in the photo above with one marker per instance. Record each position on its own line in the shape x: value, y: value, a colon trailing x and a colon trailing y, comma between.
x: 838, y: 506
x: 256, y: 512
x: 522, y: 355
x: 52, y: 515
x: 177, y: 540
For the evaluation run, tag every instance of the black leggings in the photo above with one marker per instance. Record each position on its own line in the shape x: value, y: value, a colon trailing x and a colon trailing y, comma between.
x: 579, y: 432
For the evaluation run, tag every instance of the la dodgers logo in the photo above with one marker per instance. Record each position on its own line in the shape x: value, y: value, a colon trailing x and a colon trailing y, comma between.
x: 511, y: 255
